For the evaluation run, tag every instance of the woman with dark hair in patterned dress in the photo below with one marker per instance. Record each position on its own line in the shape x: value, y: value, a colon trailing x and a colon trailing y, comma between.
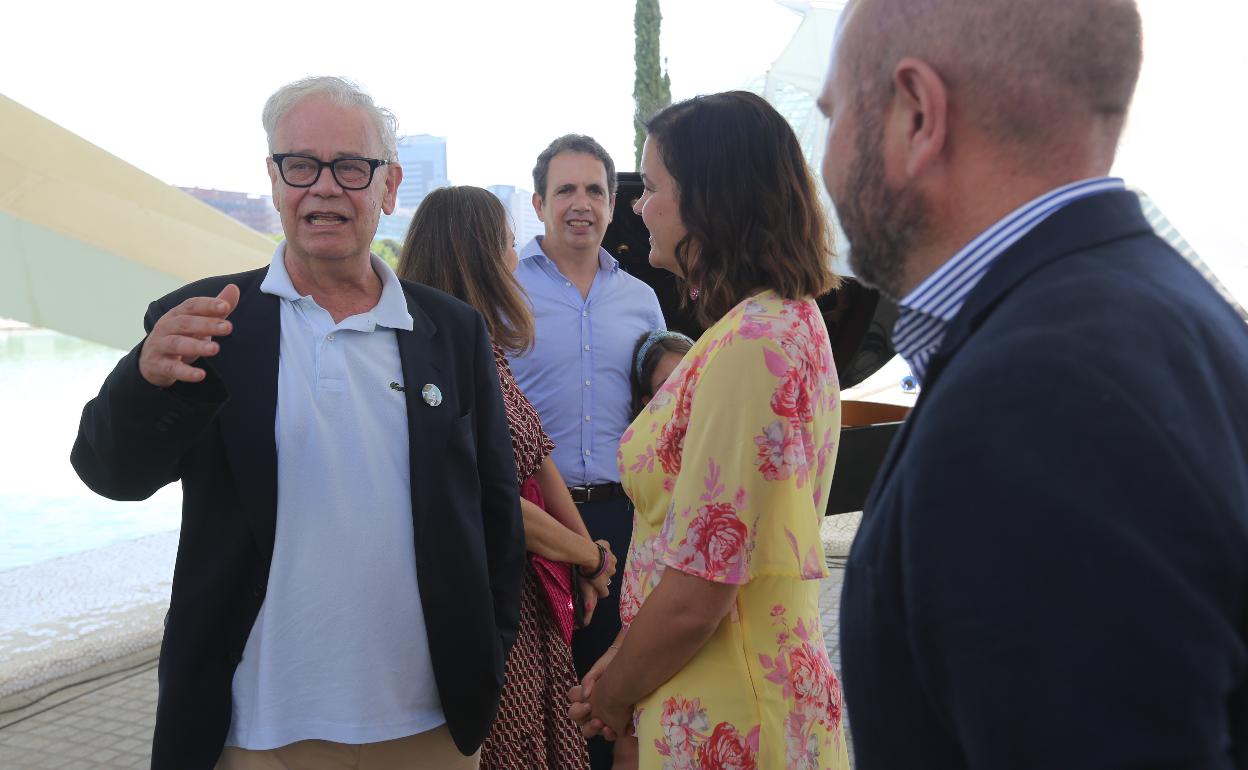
x: 460, y: 242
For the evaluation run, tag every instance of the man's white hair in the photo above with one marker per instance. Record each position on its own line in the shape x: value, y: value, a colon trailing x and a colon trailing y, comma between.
x: 339, y: 91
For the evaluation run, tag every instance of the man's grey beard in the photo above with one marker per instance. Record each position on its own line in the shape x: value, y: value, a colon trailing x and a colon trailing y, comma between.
x: 880, y: 223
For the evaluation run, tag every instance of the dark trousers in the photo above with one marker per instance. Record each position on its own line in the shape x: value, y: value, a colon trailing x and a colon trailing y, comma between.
x: 610, y: 520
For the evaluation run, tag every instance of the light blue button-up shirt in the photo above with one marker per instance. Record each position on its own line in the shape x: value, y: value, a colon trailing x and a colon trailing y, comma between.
x: 576, y: 375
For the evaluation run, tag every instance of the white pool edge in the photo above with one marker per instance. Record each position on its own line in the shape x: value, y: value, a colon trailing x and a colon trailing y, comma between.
x: 69, y: 614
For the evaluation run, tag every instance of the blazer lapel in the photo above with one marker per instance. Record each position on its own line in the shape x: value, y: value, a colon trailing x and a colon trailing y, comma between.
x: 423, y: 420
x: 890, y: 458
x: 248, y: 364
x: 1078, y: 226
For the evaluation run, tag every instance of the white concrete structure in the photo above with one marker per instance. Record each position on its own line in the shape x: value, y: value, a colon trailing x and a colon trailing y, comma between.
x: 65, y: 615
x: 87, y: 240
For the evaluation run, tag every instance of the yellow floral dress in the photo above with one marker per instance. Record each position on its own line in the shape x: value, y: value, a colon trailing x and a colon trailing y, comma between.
x: 729, y: 467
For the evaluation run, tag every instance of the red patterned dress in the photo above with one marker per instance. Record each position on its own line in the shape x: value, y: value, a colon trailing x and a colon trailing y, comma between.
x: 533, y: 729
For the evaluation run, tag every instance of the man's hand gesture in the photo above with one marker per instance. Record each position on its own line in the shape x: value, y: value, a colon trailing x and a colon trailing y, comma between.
x: 183, y: 335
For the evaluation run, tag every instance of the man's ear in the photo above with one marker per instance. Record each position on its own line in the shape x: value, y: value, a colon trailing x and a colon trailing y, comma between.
x: 394, y: 177
x: 610, y: 208
x: 537, y: 206
x: 273, y: 177
x: 920, y: 119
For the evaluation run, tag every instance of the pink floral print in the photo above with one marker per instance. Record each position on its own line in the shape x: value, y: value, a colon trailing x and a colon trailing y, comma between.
x: 689, y: 743
x: 803, y: 671
x: 735, y: 496
x: 716, y: 540
x: 642, y: 575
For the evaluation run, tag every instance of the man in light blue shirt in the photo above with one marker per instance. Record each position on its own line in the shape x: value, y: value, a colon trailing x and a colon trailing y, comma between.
x: 589, y: 315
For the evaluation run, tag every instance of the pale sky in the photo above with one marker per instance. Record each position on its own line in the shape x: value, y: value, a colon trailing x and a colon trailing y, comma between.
x: 178, y: 93
x: 1184, y: 141
x: 176, y: 89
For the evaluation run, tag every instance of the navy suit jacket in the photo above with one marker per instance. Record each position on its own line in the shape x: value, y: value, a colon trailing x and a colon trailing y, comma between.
x: 217, y: 438
x: 1052, y: 568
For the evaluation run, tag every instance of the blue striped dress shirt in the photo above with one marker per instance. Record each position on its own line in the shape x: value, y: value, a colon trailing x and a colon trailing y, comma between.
x: 925, y: 313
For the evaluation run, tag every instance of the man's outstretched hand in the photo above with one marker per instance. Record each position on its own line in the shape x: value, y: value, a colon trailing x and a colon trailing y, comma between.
x: 184, y: 335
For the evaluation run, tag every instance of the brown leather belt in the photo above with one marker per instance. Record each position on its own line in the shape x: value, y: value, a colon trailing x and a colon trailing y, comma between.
x: 594, y: 493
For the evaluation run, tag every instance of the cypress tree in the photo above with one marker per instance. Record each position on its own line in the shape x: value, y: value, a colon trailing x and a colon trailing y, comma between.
x: 652, y: 88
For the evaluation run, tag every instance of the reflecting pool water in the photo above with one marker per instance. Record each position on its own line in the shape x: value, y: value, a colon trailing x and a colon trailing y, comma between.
x: 45, y: 511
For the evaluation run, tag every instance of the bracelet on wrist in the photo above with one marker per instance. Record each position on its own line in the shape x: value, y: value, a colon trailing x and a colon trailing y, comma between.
x: 602, y: 564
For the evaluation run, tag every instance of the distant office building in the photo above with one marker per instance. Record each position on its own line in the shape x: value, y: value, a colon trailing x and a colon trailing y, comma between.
x: 255, y: 211
x: 394, y: 226
x: 423, y: 158
x: 519, y: 205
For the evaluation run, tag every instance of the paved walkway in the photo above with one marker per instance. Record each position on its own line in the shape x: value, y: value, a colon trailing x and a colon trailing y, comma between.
x: 103, y: 718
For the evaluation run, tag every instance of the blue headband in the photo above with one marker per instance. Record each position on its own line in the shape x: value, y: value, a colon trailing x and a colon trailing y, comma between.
x: 653, y: 337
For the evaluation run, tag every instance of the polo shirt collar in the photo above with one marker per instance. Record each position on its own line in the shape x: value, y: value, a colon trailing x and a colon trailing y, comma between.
x: 390, y: 310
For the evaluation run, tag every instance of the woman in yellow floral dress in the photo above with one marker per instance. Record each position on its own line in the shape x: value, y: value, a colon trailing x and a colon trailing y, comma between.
x: 722, y: 661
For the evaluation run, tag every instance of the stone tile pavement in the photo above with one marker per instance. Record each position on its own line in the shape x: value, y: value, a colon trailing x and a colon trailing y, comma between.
x: 102, y: 719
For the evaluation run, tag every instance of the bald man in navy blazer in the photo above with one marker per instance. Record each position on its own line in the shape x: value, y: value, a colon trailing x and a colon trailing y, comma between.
x: 1052, y: 568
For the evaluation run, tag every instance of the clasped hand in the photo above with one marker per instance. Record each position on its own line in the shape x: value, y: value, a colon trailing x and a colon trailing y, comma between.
x: 594, y: 710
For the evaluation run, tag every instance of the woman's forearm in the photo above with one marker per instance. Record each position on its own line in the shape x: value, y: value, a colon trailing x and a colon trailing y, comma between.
x: 558, y: 501
x: 674, y: 622
x: 545, y: 536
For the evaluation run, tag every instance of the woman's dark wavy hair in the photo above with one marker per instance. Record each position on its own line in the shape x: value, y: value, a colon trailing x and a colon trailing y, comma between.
x: 456, y: 243
x: 747, y: 200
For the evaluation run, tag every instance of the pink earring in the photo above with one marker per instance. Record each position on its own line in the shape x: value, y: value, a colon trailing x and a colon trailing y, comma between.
x: 694, y: 292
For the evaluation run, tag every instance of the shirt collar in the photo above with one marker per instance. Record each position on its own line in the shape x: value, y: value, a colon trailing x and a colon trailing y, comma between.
x: 928, y: 309
x: 533, y: 249
x: 950, y: 281
x: 390, y: 310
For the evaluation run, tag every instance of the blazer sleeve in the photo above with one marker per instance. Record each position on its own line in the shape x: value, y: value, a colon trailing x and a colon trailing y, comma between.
x: 1068, y: 586
x: 133, y: 435
x: 500, y: 492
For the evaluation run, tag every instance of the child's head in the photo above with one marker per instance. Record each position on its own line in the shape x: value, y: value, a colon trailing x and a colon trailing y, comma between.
x: 655, y: 355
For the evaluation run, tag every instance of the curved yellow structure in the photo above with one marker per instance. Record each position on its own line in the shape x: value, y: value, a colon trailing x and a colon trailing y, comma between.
x: 87, y: 240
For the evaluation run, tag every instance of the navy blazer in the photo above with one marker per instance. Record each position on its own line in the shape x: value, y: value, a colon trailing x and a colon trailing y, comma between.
x: 1052, y: 568
x: 217, y: 438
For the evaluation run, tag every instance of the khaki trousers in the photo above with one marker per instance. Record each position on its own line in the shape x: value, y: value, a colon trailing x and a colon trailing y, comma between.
x: 431, y: 750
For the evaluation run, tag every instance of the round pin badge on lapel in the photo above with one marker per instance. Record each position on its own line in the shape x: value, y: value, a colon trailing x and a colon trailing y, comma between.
x: 431, y: 394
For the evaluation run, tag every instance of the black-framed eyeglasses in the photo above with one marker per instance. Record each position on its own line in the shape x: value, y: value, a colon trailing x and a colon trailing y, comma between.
x: 299, y: 170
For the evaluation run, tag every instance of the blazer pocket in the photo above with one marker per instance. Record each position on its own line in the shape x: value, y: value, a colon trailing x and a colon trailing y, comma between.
x: 459, y: 466
x: 461, y: 434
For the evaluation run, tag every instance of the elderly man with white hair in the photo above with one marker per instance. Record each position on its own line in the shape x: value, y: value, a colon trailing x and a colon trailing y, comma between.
x: 348, y: 575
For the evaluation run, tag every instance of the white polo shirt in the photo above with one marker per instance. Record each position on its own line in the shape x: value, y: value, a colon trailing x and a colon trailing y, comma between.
x: 339, y: 650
